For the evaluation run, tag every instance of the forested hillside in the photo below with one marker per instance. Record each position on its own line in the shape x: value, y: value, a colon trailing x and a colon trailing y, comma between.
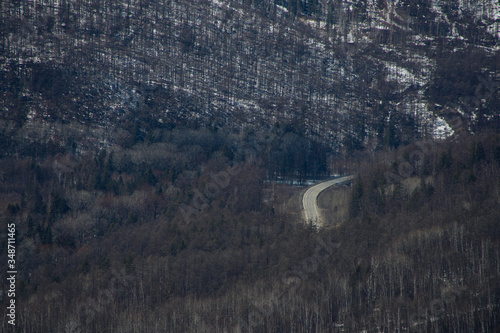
x: 124, y: 241
x: 153, y: 155
x: 97, y: 72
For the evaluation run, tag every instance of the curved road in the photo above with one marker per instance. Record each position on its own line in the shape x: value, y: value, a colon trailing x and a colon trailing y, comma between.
x: 310, y: 198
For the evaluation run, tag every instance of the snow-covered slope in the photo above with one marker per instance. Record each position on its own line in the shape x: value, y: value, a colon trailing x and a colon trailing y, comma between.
x: 346, y: 70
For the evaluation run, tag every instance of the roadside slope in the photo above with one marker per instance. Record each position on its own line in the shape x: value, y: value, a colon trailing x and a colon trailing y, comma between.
x: 310, y: 198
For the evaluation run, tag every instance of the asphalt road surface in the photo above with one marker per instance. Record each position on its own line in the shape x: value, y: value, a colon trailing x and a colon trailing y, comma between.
x: 310, y: 198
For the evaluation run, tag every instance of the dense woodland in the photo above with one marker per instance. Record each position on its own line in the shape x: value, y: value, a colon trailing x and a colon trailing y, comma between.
x: 418, y: 251
x: 147, y: 151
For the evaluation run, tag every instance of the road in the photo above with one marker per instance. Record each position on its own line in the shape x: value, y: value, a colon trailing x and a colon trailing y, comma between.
x: 310, y: 198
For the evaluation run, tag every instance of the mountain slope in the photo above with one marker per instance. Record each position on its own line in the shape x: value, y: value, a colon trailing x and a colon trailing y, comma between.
x: 347, y: 71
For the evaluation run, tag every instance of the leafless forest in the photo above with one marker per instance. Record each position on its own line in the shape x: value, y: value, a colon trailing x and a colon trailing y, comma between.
x: 153, y: 156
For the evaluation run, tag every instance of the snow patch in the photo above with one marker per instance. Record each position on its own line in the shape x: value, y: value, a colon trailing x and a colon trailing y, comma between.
x: 283, y: 9
x: 441, y: 129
